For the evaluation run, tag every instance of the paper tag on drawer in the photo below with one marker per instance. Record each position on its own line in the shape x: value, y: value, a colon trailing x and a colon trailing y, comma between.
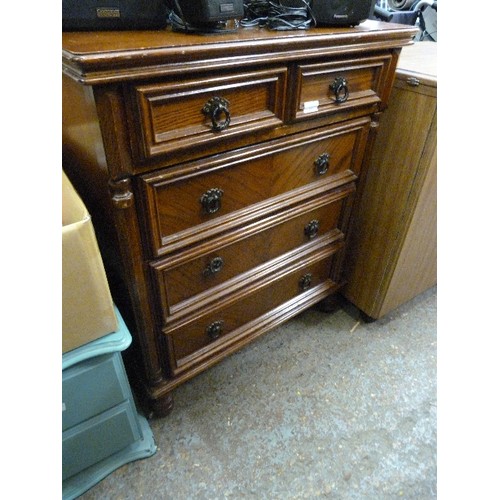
x: 311, y: 106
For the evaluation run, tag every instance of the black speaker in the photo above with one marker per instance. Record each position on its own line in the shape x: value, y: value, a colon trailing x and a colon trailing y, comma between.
x: 341, y: 12
x: 113, y: 14
x: 207, y: 11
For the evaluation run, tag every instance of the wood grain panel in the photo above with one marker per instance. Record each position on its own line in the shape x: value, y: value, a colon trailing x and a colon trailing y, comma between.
x: 364, y: 78
x: 279, y: 287
x: 185, y: 281
x: 391, y: 255
x: 171, y: 117
x: 254, y: 183
x: 416, y: 269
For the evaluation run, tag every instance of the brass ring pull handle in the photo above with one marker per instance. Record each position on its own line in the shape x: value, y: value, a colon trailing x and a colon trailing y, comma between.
x: 306, y: 281
x: 215, y: 329
x: 214, y: 266
x: 312, y: 229
x: 217, y: 109
x: 322, y: 164
x: 340, y: 89
x: 211, y: 201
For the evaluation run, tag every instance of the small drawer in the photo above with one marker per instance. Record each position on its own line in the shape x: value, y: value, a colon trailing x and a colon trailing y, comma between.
x: 201, y: 199
x: 339, y: 86
x: 234, y: 317
x: 92, y: 387
x: 176, y: 115
x: 98, y: 438
x: 182, y: 278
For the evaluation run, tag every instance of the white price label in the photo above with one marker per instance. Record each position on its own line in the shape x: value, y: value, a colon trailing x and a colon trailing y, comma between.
x: 311, y: 106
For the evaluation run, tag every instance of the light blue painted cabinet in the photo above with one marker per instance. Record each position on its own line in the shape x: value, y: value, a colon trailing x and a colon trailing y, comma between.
x: 101, y: 429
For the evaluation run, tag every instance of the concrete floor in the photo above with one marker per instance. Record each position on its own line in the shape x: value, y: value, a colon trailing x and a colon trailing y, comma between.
x: 317, y: 408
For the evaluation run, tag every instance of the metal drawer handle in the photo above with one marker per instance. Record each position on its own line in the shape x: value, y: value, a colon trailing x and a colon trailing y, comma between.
x: 412, y: 81
x: 211, y: 201
x: 312, y: 229
x: 322, y: 164
x: 214, y: 266
x: 214, y: 330
x: 340, y: 89
x: 306, y: 281
x: 217, y: 109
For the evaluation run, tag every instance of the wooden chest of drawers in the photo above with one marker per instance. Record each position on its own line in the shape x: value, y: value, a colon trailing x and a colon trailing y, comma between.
x: 220, y: 172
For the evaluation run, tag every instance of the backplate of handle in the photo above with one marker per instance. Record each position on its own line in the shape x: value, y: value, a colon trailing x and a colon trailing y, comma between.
x: 341, y: 89
x: 215, y: 329
x: 322, y: 163
x: 305, y: 281
x: 217, y: 109
x: 312, y: 229
x: 214, y: 266
x: 211, y: 200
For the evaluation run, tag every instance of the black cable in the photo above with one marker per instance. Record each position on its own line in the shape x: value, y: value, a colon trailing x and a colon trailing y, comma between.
x: 255, y: 13
x: 278, y: 16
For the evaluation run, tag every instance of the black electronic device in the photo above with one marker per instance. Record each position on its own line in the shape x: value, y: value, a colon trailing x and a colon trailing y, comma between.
x: 341, y: 12
x: 113, y: 14
x: 207, y: 12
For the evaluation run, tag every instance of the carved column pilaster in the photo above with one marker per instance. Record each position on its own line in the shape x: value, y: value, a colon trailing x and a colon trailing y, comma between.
x: 134, y: 271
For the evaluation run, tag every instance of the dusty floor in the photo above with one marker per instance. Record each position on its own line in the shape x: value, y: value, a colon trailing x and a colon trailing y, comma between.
x: 321, y: 407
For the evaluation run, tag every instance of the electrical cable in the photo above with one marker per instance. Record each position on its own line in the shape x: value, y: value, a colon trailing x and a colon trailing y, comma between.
x: 277, y: 16
x: 256, y: 13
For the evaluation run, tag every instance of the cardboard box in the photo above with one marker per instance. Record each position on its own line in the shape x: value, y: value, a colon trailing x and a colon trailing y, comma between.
x: 87, y: 306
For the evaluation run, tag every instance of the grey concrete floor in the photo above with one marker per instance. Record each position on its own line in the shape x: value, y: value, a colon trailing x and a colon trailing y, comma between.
x: 321, y: 407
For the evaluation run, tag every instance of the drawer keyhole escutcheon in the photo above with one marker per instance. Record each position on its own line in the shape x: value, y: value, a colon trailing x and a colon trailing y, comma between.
x: 322, y: 164
x: 214, y: 330
x: 312, y: 229
x: 214, y: 266
x: 305, y: 281
x: 211, y: 201
x: 341, y: 90
x: 217, y: 109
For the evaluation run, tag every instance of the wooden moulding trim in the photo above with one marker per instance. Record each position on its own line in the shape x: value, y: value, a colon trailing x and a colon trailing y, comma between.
x: 252, y: 330
x: 123, y: 65
x: 204, y: 302
x: 251, y: 213
x: 241, y: 155
x: 253, y: 284
x: 248, y: 231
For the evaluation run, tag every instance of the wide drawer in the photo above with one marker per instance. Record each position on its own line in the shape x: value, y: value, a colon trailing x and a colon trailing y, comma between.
x: 92, y: 387
x: 339, y: 86
x: 235, y: 316
x: 178, y: 114
x: 98, y: 438
x: 196, y: 275
x: 187, y: 204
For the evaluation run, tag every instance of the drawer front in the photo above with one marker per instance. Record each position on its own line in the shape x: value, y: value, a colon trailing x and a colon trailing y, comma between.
x: 202, y: 199
x: 92, y: 387
x: 222, y: 325
x: 339, y: 87
x: 182, y: 278
x: 98, y: 438
x: 177, y: 115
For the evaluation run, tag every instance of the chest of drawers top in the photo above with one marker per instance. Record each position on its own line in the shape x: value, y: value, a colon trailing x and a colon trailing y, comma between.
x: 117, y: 56
x: 186, y: 96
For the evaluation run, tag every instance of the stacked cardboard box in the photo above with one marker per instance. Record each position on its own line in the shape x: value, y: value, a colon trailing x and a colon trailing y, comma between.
x: 87, y: 306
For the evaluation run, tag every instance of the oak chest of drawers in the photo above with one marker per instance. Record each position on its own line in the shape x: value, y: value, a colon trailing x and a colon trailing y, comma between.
x: 220, y: 172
